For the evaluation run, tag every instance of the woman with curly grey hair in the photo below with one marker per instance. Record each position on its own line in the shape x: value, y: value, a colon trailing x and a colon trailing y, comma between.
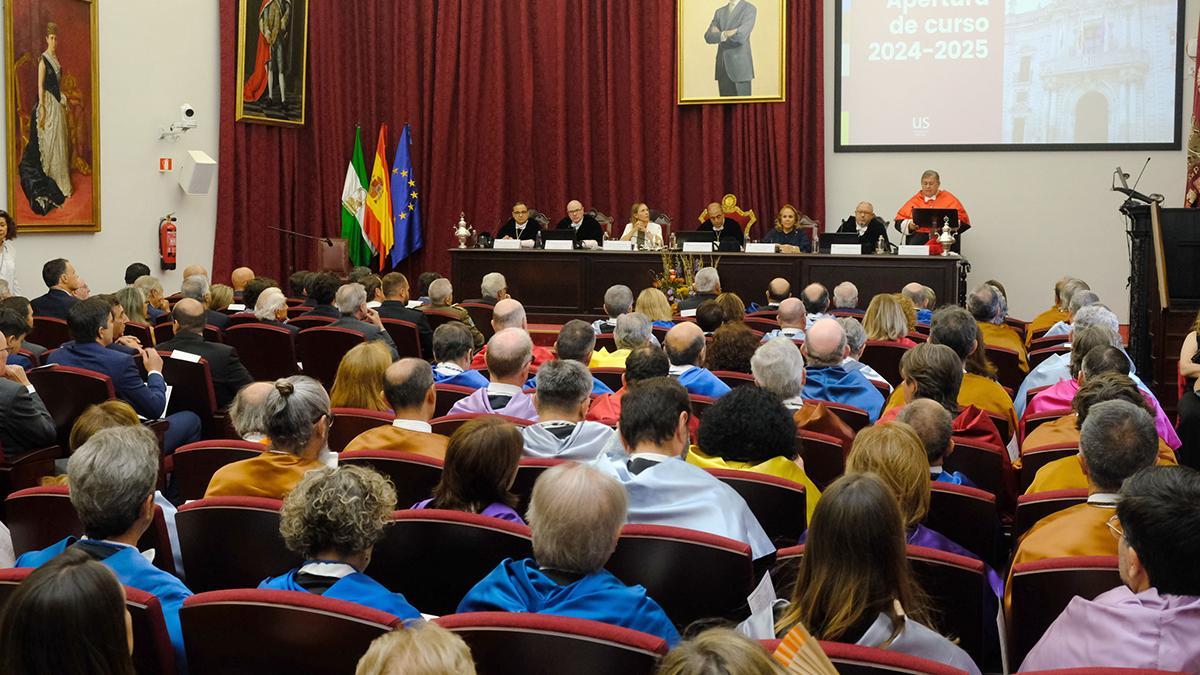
x: 333, y: 519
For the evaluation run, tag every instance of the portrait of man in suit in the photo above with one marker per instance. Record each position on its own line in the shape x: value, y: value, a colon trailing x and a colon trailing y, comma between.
x: 731, y: 51
x: 730, y: 31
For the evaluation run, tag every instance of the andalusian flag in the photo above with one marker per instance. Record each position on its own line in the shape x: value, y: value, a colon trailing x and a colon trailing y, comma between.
x: 407, y: 220
x: 378, y: 223
x: 354, y: 200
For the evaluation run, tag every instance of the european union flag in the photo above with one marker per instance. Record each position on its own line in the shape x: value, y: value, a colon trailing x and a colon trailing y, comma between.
x: 406, y: 221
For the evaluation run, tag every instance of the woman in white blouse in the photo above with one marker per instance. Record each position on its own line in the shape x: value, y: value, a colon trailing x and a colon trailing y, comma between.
x: 8, y: 255
x: 643, y: 233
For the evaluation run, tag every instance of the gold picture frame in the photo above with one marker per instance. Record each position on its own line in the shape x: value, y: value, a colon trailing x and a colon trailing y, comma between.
x: 712, y: 63
x: 267, y: 93
x: 53, y: 144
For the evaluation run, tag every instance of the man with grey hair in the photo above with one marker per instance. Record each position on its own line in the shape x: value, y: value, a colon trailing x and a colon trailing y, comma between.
x: 562, y: 398
x: 452, y: 347
x: 845, y: 298
x: 156, y: 304
x: 441, y: 299
x: 856, y: 342
x: 248, y: 412
x: 509, y: 313
x: 510, y: 354
x: 685, y: 347
x: 705, y: 286
x: 575, y: 517
x: 987, y: 305
x: 271, y: 309
x: 113, y: 476
x: 409, y: 390
x: 1064, y: 289
x: 824, y: 351
x: 1116, y: 441
x: 618, y: 300
x: 493, y: 289
x: 196, y: 288
x: 1079, y: 300
x: 923, y: 298
x: 792, y: 321
x: 634, y: 329
x: 778, y: 367
x: 351, y: 302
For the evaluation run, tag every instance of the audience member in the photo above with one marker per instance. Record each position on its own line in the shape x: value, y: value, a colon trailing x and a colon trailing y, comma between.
x: 226, y: 369
x: 654, y: 304
x: 333, y: 519
x: 509, y: 313
x: 135, y: 271
x: 988, y: 306
x: 686, y: 350
x: 706, y: 285
x: 576, y: 342
x: 481, y: 465
x: 749, y: 429
x: 816, y: 303
x: 633, y: 330
x: 298, y: 420
x: 856, y: 344
x: 271, y: 309
x: 923, y: 299
x: 14, y: 327
x: 248, y: 412
x: 618, y: 300
x: 1064, y: 289
x: 778, y: 368
x: 359, y: 380
x: 418, y: 648
x: 196, y: 287
x: 133, y: 302
x: 157, y: 304
x: 112, y: 477
x: 563, y: 396
x: 441, y: 299
x: 298, y: 284
x: 644, y: 363
x: 373, y: 285
x: 351, y: 301
x: 492, y: 289
x: 719, y: 651
x: 710, y: 316
x: 663, y: 488
x: 25, y: 423
x: 395, y: 306
x: 732, y: 306
x: 67, y: 616
x: 253, y: 289
x: 827, y: 379
x: 424, y: 281
x: 358, y: 273
x: 238, y: 279
x: 1151, y: 620
x: 1079, y: 300
x: 777, y: 291
x: 885, y: 321
x: 854, y: 584
x: 575, y: 516
x: 126, y: 344
x: 61, y: 282
x: 509, y: 356
x: 452, y: 345
x: 845, y: 298
x: 409, y: 393
x: 792, y: 320
x: 220, y: 297
x: 934, y: 425
x: 732, y: 346
x: 23, y: 308
x: 322, y: 289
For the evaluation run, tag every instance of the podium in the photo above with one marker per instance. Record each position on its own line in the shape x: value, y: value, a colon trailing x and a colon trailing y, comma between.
x: 333, y: 256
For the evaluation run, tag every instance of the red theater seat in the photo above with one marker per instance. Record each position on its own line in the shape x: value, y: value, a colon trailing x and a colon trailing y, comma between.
x: 231, y: 542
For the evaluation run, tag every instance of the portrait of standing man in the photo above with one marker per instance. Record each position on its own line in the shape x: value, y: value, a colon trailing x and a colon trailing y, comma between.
x: 730, y: 30
x: 731, y: 51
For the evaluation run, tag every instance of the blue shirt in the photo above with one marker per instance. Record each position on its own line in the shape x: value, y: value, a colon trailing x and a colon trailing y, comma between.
x: 357, y: 587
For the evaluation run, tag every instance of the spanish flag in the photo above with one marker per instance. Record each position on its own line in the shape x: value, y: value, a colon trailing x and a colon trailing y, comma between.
x: 378, y: 223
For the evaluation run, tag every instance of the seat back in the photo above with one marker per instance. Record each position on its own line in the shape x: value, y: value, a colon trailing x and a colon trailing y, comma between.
x: 414, y: 475
x: 321, y: 349
x: 447, y: 551
x: 306, y: 322
x: 195, y: 463
x: 1031, y: 422
x: 528, y: 471
x: 191, y: 387
x: 447, y: 396
x: 1036, y: 458
x: 733, y: 378
x: 1037, y: 355
x: 437, y: 317
x: 268, y: 352
x: 49, y: 332
x: 250, y: 631
x: 671, y: 563
x: 163, y: 330
x: 448, y: 424
x: 968, y: 517
x: 1042, y: 589
x: 606, y: 341
x: 40, y: 516
x: 855, y: 660
x: 779, y: 504
x: 348, y: 423
x: 884, y: 357
x: 508, y: 643
x: 1008, y: 366
x: 762, y: 323
x: 611, y: 377
x: 823, y: 455
x: 232, y: 542
x: 958, y: 593
x: 700, y: 404
x: 980, y: 462
x: 1032, y: 508
x: 481, y: 316
x: 241, y: 318
x: 785, y: 569
x: 67, y: 392
x: 407, y: 337
x: 212, y: 333
x: 143, y: 332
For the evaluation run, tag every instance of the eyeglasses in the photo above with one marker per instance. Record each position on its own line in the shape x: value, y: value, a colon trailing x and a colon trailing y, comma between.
x: 329, y: 417
x: 1114, y: 526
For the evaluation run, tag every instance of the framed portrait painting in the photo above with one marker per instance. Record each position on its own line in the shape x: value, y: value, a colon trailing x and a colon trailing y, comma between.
x: 53, y: 114
x: 731, y: 51
x: 272, y: 61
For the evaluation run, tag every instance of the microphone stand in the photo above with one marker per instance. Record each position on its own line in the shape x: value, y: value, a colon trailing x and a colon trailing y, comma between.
x: 292, y: 234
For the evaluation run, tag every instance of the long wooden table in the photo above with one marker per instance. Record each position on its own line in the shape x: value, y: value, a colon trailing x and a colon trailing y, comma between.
x: 560, y: 285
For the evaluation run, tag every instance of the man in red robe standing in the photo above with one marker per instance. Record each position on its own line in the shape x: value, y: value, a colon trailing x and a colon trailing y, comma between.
x: 931, y: 196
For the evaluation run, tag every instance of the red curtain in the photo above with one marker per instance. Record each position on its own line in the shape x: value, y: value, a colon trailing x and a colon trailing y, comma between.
x: 534, y: 100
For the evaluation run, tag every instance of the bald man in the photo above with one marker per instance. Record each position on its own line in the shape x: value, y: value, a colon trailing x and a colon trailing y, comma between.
x: 193, y: 270
x: 248, y: 412
x: 408, y: 388
x: 510, y: 354
x: 238, y: 280
x: 824, y: 350
x: 816, y: 303
x: 728, y: 233
x: 778, y: 290
x: 685, y: 347
x: 588, y: 232
x: 228, y: 373
x: 510, y: 313
x: 868, y: 226
x: 922, y: 298
x: 792, y: 320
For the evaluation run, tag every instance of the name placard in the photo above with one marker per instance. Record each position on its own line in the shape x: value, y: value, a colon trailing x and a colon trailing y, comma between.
x: 507, y: 244
x: 618, y: 245
x: 697, y: 247
x: 559, y: 245
x: 760, y: 248
x: 845, y: 249
x: 909, y: 249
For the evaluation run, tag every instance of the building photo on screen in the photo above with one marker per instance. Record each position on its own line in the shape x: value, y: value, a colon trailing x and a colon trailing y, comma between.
x: 1015, y: 74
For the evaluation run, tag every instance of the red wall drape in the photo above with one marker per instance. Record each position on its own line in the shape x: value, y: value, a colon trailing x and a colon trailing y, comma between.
x: 536, y: 100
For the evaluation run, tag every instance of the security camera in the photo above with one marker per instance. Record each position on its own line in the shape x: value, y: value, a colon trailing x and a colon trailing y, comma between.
x: 187, y: 116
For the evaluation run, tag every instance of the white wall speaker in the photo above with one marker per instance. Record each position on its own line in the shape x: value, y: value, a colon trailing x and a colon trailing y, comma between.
x: 196, y: 175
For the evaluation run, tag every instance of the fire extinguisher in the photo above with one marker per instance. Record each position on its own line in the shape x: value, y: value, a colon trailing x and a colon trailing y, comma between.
x: 166, y: 242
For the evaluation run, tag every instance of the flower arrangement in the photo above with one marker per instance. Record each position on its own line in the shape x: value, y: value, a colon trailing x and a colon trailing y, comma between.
x: 678, y: 274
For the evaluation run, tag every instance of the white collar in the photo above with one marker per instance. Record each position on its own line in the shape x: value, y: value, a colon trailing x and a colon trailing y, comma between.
x: 933, y: 198
x: 254, y: 438
x: 1105, y: 500
x: 328, y: 569
x: 503, y: 389
x: 676, y: 371
x: 794, y: 403
x: 936, y: 470
x: 412, y: 425
x: 449, y: 368
x: 791, y: 330
x: 575, y: 225
x: 652, y: 456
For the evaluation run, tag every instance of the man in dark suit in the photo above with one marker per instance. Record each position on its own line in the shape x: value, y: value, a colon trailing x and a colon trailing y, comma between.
x: 322, y: 289
x: 867, y: 225
x: 90, y: 323
x: 351, y: 302
x: 25, y: 424
x: 238, y: 280
x: 705, y: 286
x: 729, y: 234
x: 395, y: 306
x: 730, y: 32
x: 60, y: 277
x: 271, y: 309
x: 519, y: 226
x: 587, y: 228
x: 228, y: 373
x: 196, y: 288
x: 493, y: 288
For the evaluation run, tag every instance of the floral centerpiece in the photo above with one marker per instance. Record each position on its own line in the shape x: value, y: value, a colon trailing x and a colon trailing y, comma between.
x: 678, y: 274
